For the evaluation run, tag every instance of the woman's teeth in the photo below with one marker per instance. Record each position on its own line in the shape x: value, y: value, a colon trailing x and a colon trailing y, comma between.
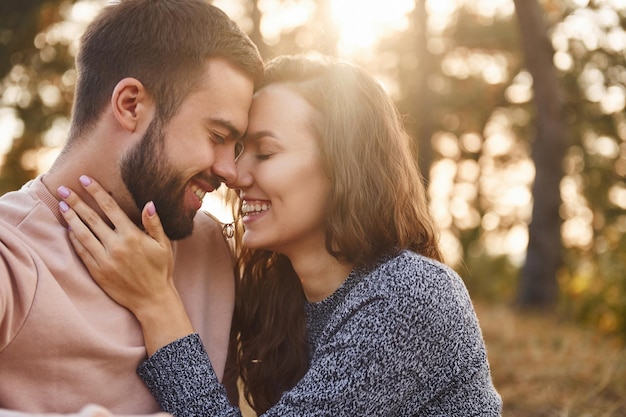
x: 247, y: 208
x: 200, y: 193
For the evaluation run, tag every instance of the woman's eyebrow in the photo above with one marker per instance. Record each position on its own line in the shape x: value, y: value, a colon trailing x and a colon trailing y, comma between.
x: 250, y: 137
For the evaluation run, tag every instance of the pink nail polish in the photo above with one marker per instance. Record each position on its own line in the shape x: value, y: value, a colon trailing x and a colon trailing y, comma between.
x: 85, y: 180
x: 151, y: 209
x: 63, y: 191
x: 63, y: 206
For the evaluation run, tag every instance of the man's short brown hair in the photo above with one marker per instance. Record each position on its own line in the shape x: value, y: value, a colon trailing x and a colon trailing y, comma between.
x: 164, y: 44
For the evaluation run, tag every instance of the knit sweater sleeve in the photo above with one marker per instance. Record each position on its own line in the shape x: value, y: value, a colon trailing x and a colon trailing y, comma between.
x: 182, y: 380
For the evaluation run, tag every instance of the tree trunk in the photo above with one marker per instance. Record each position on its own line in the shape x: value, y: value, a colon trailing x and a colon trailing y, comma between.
x: 538, y: 285
x: 425, y: 97
x: 256, y: 36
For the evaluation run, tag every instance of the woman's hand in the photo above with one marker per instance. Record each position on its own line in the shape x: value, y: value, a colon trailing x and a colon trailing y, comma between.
x: 135, y: 268
x: 90, y: 410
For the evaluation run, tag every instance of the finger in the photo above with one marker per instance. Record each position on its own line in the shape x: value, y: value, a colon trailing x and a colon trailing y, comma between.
x: 93, y: 410
x: 109, y: 206
x: 81, y: 234
x: 85, y: 214
x: 80, y: 249
x: 152, y: 224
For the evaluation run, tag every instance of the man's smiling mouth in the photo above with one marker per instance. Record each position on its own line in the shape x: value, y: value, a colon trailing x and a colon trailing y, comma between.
x: 199, y: 192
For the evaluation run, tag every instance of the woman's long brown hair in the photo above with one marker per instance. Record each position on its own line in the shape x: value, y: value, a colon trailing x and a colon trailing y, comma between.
x: 377, y: 206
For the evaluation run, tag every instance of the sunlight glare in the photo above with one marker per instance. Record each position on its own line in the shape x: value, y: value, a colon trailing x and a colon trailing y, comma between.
x: 12, y: 127
x: 215, y: 203
x: 440, y: 14
x: 617, y: 195
x: 278, y: 17
x: 56, y: 135
x: 604, y: 146
x: 49, y: 94
x: 577, y: 232
x: 236, y: 10
x: 511, y: 243
x: 491, y: 8
x: 451, y: 248
x: 498, y: 144
x: 471, y: 142
x: 86, y: 10
x: 361, y: 23
x: 446, y: 144
x: 563, y: 61
x: 617, y: 4
x: 613, y: 100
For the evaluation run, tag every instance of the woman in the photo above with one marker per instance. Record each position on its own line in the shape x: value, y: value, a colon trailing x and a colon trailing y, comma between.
x: 343, y: 305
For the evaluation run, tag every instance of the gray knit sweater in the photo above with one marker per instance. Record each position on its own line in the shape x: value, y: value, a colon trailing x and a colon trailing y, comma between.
x: 401, y: 339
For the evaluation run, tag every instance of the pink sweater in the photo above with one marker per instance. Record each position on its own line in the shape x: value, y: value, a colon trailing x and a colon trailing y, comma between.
x: 63, y: 342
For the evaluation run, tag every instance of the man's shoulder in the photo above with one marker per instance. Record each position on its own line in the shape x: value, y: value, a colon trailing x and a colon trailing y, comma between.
x: 206, y: 230
x: 206, y: 244
x: 16, y: 205
x: 207, y: 221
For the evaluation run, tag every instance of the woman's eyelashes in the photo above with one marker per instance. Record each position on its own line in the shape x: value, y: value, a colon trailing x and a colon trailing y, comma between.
x: 263, y: 156
x: 262, y: 148
x: 263, y: 152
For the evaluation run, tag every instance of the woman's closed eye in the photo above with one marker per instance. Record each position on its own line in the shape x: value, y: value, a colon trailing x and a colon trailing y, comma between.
x: 262, y: 146
x: 263, y: 156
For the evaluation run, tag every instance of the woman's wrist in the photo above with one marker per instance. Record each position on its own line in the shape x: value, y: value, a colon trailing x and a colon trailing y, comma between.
x: 163, y: 321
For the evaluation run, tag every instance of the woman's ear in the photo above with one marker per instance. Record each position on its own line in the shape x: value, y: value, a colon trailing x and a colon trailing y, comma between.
x: 131, y: 104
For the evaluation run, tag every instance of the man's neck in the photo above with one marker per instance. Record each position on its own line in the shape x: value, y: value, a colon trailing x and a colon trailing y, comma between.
x: 100, y: 165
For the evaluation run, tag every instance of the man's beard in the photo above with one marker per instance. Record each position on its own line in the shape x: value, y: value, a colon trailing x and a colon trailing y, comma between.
x: 149, y: 176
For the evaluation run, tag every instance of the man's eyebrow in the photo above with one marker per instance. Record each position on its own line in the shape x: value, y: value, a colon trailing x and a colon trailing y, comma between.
x: 233, y: 131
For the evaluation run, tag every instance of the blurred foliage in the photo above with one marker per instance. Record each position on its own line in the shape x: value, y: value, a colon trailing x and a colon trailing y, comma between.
x: 36, y: 81
x: 467, y: 99
x: 593, y: 280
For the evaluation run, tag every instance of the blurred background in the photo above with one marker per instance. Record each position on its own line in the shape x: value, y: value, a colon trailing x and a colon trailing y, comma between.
x: 517, y: 108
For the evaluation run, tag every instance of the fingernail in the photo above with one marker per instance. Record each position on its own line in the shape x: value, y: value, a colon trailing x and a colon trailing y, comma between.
x: 151, y: 209
x: 63, y: 206
x: 85, y: 180
x: 63, y: 191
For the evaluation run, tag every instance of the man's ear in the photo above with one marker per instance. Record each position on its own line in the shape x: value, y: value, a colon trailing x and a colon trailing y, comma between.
x: 131, y: 104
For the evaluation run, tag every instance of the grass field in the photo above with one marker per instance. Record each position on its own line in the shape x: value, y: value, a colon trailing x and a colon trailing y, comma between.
x: 543, y: 367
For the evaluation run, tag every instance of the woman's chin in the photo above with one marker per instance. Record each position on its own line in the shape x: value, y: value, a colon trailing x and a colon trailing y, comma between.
x: 251, y: 241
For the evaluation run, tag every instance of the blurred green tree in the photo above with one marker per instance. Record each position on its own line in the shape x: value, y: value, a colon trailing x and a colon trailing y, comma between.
x: 35, y: 83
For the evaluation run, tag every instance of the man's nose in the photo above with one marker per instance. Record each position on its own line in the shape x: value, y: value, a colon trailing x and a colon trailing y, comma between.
x: 224, y: 165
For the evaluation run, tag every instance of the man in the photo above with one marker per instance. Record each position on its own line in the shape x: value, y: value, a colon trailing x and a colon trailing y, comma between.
x: 162, y: 98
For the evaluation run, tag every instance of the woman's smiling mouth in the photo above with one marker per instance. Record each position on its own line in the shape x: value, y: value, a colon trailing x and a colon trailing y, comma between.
x: 250, y: 208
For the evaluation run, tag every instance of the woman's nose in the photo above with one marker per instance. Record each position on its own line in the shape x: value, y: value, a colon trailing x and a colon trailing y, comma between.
x: 243, y: 176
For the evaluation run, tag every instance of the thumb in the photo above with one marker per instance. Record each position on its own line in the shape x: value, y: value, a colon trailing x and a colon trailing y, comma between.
x: 152, y: 223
